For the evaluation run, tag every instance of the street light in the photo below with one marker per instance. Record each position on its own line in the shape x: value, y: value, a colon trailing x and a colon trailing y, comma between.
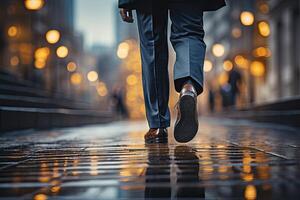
x: 218, y: 50
x: 52, y: 36
x: 247, y: 18
x: 34, y: 4
x: 62, y: 52
x: 92, y: 76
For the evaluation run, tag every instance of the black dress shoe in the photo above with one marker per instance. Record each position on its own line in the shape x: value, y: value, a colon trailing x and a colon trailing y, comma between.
x: 159, y: 135
x: 186, y: 125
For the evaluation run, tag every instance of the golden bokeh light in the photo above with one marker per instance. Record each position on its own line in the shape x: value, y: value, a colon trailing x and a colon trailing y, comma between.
x: 264, y: 28
x: 101, y: 89
x: 62, y: 52
x: 71, y: 67
x: 247, y: 18
x: 40, y: 64
x: 132, y: 79
x: 123, y: 50
x: 227, y: 65
x: 92, y: 76
x: 207, y: 66
x: 52, y: 36
x: 262, y: 52
x: 236, y: 32
x: 76, y: 78
x: 241, y: 62
x: 264, y: 8
x: 223, y: 78
x: 41, y: 56
x: 14, y: 61
x: 40, y: 197
x: 218, y: 50
x: 257, y: 68
x: 42, y: 53
x: 12, y: 31
x: 34, y: 4
x: 250, y: 192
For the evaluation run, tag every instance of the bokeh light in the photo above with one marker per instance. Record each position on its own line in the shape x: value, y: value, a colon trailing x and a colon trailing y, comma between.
x: 236, y: 32
x: 207, y: 66
x: 71, y: 66
x: 250, y: 192
x: 92, y: 76
x: 34, y: 4
x: 257, y: 68
x: 40, y: 64
x: 76, y: 78
x: 227, y: 65
x: 241, y: 62
x: 262, y: 52
x: 264, y: 28
x: 12, y: 31
x: 62, y: 52
x: 223, y: 78
x: 52, y: 36
x: 101, y: 89
x: 264, y: 8
x: 132, y: 79
x: 123, y: 50
x: 40, y: 197
x: 218, y: 50
x: 42, y: 53
x: 41, y: 56
x: 247, y: 18
x: 14, y: 61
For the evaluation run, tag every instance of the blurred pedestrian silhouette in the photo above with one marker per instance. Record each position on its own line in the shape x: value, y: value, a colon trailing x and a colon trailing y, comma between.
x: 234, y: 80
x: 118, y: 102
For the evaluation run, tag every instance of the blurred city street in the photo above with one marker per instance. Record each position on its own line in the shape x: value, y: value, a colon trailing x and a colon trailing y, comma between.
x: 73, y: 114
x: 229, y: 159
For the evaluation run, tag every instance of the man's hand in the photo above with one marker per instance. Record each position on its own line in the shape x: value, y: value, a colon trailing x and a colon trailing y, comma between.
x: 126, y: 15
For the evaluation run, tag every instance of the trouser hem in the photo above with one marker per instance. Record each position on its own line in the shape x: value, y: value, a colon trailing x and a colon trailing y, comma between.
x: 159, y: 124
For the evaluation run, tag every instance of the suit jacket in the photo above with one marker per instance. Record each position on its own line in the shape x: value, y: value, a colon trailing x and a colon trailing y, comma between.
x: 205, y: 5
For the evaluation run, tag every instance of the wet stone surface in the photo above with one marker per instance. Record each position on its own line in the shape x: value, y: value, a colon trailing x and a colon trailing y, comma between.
x: 227, y: 160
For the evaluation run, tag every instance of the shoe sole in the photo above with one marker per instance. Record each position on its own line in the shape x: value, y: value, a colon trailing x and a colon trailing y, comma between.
x: 187, y: 126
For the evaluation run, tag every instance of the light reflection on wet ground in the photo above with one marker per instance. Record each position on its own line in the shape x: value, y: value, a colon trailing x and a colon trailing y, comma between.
x: 228, y: 159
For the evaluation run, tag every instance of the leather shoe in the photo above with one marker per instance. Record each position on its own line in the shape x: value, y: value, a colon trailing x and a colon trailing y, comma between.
x: 156, y: 135
x: 186, y: 125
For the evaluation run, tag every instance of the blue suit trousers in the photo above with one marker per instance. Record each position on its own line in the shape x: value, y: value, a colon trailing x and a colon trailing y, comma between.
x: 187, y: 40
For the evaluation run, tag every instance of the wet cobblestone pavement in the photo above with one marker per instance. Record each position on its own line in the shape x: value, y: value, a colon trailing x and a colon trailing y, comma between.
x: 227, y: 160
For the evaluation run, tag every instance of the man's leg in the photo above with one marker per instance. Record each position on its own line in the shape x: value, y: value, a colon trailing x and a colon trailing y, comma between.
x: 154, y: 50
x: 187, y: 39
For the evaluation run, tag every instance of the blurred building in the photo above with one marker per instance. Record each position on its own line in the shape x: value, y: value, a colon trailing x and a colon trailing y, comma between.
x: 284, y: 69
x: 29, y: 51
x: 257, y: 38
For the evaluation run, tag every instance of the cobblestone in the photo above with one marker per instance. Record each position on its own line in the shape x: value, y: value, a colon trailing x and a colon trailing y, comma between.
x: 228, y: 160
